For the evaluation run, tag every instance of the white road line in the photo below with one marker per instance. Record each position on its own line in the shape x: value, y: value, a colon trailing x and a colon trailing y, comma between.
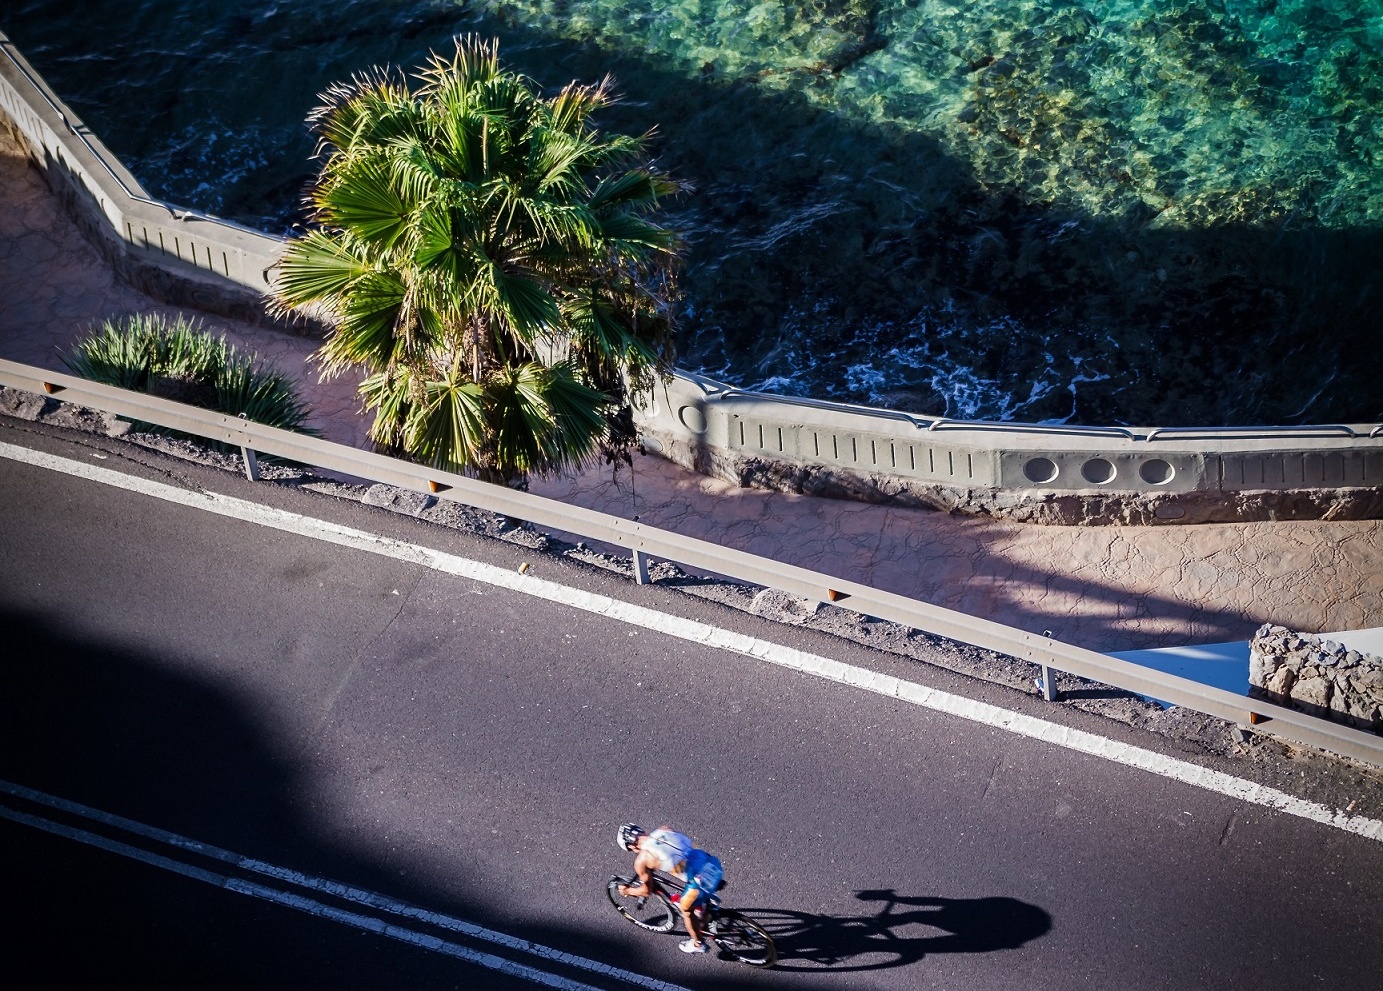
x: 302, y: 904
x: 687, y: 629
x: 345, y: 892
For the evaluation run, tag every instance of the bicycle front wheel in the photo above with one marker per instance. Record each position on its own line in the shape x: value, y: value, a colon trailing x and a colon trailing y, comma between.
x: 652, y: 912
x: 744, y: 939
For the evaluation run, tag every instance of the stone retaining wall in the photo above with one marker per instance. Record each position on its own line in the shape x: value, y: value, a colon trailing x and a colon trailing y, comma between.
x: 1317, y: 676
x: 151, y: 272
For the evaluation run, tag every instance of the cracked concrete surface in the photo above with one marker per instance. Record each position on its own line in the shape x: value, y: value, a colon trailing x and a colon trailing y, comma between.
x: 1105, y: 588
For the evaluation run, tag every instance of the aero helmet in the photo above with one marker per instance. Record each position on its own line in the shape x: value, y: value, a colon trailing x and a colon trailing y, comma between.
x: 627, y: 834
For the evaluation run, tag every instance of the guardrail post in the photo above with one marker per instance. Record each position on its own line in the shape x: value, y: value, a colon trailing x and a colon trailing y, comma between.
x: 251, y: 459
x: 1048, y: 684
x: 641, y: 568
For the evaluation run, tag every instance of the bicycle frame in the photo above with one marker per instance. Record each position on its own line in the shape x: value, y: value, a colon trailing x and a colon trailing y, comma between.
x: 737, y: 936
x: 674, y: 889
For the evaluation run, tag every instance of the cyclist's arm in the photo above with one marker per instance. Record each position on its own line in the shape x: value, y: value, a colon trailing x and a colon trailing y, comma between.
x: 644, y: 865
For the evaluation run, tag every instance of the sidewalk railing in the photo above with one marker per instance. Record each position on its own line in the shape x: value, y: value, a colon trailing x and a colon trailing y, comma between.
x: 644, y: 542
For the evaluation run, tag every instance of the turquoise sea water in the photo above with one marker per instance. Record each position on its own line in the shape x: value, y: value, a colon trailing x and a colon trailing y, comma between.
x: 1138, y: 211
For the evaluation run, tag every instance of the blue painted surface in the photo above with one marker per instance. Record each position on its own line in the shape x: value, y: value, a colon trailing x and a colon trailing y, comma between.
x: 1226, y: 665
x: 1220, y: 665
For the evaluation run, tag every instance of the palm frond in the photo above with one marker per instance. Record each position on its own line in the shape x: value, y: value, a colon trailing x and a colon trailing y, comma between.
x: 636, y: 189
x: 475, y: 61
x: 364, y: 332
x: 600, y: 334
x: 317, y: 268
x: 635, y: 237
x: 543, y: 419
x: 573, y: 106
x: 520, y: 422
x: 526, y: 304
x: 366, y: 201
x: 374, y: 107
x: 449, y: 430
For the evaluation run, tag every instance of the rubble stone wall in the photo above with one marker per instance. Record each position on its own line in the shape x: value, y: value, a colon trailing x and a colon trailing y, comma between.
x: 1317, y: 676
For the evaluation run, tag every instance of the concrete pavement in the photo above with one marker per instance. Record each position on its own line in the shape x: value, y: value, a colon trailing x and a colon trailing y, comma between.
x: 1111, y: 588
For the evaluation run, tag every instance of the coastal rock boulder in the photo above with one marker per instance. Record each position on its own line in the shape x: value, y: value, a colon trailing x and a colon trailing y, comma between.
x: 1318, y: 676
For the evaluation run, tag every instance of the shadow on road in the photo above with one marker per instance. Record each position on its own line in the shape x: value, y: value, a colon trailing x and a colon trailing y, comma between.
x: 130, y: 733
x: 150, y: 737
x: 902, y: 931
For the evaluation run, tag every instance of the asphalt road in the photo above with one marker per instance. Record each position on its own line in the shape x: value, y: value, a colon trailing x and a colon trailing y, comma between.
x: 471, y: 749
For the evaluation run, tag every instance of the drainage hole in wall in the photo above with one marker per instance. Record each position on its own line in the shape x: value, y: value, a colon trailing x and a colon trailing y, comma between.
x: 1098, y: 471
x: 1040, y: 470
x: 1156, y: 472
x: 692, y: 418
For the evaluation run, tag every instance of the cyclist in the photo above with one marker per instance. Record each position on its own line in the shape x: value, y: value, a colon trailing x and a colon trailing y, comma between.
x: 672, y: 852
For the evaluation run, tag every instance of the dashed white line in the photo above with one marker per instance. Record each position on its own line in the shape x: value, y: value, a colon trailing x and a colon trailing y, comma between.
x: 692, y: 630
x: 311, y: 906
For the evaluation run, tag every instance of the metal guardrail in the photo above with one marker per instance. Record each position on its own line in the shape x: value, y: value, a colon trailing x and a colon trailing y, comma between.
x: 719, y: 392
x: 63, y: 114
x: 644, y: 542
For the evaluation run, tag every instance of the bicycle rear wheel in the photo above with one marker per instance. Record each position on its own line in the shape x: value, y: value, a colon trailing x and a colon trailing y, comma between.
x: 652, y: 912
x: 744, y: 939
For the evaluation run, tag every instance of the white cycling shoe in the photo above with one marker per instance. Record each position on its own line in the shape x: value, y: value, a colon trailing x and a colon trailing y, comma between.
x: 692, y: 946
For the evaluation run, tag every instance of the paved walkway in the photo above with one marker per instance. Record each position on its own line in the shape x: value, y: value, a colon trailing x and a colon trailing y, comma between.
x: 1110, y: 588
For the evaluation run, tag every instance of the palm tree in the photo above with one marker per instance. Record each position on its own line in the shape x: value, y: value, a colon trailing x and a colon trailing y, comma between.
x: 490, y: 259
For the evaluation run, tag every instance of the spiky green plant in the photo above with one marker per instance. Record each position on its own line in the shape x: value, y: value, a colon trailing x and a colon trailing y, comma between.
x: 181, y: 360
x: 120, y: 352
x: 262, y: 395
x: 186, y: 351
x: 489, y: 259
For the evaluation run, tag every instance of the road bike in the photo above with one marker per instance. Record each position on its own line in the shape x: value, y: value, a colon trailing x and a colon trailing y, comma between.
x: 736, y: 936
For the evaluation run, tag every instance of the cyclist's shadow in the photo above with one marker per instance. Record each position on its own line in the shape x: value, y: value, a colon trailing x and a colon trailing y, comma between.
x: 892, y: 937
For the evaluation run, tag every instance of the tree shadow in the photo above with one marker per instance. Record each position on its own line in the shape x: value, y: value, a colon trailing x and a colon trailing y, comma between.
x: 108, y: 728
x: 141, y: 736
x: 911, y: 555
x: 902, y: 931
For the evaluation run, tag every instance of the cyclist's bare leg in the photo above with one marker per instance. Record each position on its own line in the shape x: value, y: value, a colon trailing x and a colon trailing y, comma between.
x: 686, y: 903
